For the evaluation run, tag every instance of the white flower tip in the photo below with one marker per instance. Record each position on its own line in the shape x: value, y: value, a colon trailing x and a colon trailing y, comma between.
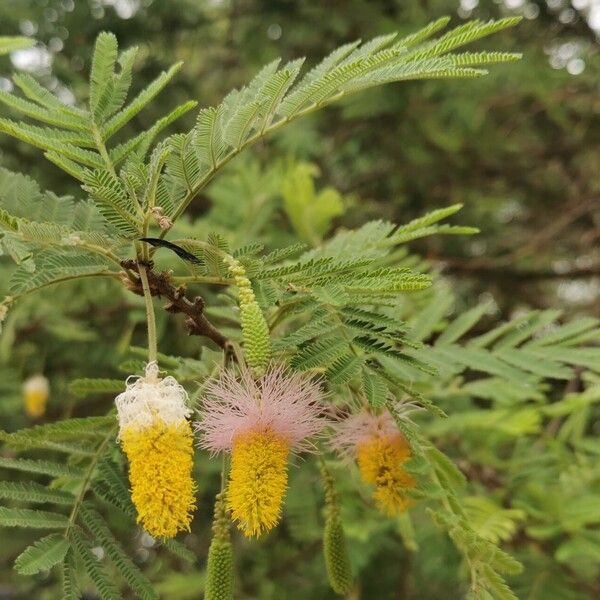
x: 36, y: 383
x: 149, y: 398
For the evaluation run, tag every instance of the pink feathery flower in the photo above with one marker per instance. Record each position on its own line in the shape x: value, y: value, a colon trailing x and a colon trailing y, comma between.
x: 365, y: 426
x: 286, y: 403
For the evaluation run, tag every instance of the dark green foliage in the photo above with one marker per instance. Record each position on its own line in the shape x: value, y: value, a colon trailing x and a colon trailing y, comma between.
x: 42, y: 555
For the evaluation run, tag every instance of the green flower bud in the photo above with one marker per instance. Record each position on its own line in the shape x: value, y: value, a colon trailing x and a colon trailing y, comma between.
x: 255, y: 331
x: 337, y: 562
x: 219, y: 567
x: 256, y: 338
x: 219, y: 571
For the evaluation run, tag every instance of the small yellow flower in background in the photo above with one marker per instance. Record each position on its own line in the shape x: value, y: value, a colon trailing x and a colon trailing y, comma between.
x: 36, y: 391
x: 157, y: 438
x: 381, y: 452
x: 260, y: 422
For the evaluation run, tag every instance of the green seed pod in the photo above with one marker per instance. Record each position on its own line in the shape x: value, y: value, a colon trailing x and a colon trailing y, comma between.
x: 219, y: 567
x: 337, y: 562
x: 335, y: 549
x: 219, y: 571
x: 255, y: 331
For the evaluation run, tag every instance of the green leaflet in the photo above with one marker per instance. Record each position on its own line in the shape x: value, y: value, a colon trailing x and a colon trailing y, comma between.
x: 42, y: 555
x: 140, y: 101
x: 310, y: 213
x: 113, y: 201
x: 55, y: 266
x: 38, y: 466
x: 375, y: 389
x: 70, y: 586
x: 96, y: 571
x: 35, y: 519
x: 179, y: 550
x: 277, y: 95
x: 486, y: 559
x: 29, y: 491
x: 130, y: 572
x: 87, y: 387
x: 491, y: 521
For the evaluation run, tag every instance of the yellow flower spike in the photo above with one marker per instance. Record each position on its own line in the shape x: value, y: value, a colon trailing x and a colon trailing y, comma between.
x: 36, y: 391
x: 381, y: 451
x: 258, y: 481
x: 160, y: 463
x: 380, y: 461
x: 157, y: 439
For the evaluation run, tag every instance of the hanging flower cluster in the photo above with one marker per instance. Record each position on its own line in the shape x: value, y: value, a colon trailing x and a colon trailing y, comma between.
x: 260, y: 422
x: 381, y: 452
x: 36, y: 391
x: 157, y: 439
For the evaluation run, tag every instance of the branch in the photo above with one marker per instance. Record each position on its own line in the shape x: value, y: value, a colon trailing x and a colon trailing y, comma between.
x: 161, y: 285
x: 572, y: 211
x: 489, y: 269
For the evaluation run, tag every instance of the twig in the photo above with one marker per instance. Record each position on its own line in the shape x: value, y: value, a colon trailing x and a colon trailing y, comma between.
x: 99, y: 452
x: 160, y: 285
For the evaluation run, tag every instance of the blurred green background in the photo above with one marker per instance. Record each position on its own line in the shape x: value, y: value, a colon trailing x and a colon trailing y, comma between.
x: 520, y: 148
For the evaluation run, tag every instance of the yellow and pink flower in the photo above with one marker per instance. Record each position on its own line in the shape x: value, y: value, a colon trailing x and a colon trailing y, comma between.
x: 381, y: 452
x: 259, y: 422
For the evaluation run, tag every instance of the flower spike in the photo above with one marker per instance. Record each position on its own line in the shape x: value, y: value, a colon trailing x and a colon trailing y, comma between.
x: 381, y: 452
x: 260, y: 422
x: 36, y: 391
x: 157, y: 439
